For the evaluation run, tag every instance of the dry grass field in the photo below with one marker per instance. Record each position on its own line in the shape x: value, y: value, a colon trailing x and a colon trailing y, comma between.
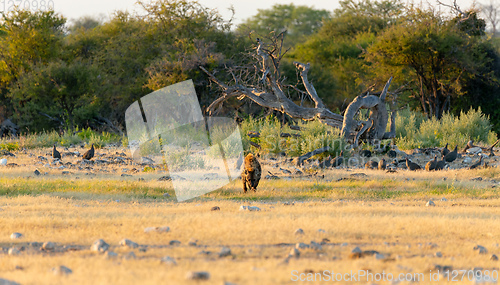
x: 384, y: 214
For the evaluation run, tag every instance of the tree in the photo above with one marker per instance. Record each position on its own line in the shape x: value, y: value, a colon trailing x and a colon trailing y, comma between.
x: 269, y: 90
x: 491, y: 11
x: 298, y: 21
x: 57, y: 94
x: 337, y: 50
x: 432, y: 54
x: 27, y: 39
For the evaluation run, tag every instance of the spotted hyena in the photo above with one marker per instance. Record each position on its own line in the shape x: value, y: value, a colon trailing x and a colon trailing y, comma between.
x: 251, y: 173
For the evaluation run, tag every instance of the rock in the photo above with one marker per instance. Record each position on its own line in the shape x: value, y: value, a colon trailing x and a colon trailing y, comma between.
x: 99, y: 246
x: 48, y: 246
x: 294, y: 253
x: 316, y: 246
x: 168, y: 260
x: 3, y: 161
x: 215, y: 208
x: 299, y: 232
x: 130, y: 255
x: 430, y: 203
x: 379, y: 256
x: 249, y: 208
x: 36, y: 172
x: 16, y: 236
x: 467, y: 160
x: 62, y: 270
x: 128, y: 243
x: 174, y: 242
x: 356, y: 250
x: 481, y: 249
x: 14, y: 251
x: 301, y: 245
x: 225, y: 251
x: 444, y: 199
x: 7, y: 282
x: 198, y: 275
x: 474, y: 150
x: 166, y: 195
x: 110, y: 254
x: 125, y: 175
x: 157, y: 229
x: 438, y: 254
x: 494, y: 257
x: 192, y: 242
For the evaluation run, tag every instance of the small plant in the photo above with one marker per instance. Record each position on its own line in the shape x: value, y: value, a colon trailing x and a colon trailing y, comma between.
x: 9, y: 146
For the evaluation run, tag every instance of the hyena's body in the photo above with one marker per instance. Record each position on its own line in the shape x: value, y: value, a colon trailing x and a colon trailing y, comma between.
x: 251, y: 174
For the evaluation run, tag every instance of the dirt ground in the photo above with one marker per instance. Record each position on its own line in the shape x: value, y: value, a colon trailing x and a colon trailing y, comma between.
x: 328, y: 227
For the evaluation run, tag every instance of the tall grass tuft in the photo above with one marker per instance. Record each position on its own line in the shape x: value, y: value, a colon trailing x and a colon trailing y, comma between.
x: 414, y: 130
x: 313, y: 135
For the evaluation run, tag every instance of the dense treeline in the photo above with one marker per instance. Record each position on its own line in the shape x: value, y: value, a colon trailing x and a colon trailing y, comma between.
x: 59, y: 75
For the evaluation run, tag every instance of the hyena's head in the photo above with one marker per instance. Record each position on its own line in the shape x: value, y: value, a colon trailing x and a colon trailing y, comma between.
x: 251, y: 178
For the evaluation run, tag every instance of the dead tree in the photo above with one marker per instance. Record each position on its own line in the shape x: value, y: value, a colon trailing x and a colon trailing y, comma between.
x: 269, y: 91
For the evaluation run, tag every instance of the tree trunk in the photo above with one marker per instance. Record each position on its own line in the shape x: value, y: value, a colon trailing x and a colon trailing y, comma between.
x: 269, y: 93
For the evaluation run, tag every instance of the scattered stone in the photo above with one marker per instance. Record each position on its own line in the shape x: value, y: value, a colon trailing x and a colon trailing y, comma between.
x: 110, y: 254
x: 168, y: 260
x: 444, y: 199
x: 481, y: 249
x: 174, y: 242
x: 299, y: 232
x: 166, y: 195
x: 16, y: 236
x: 3, y: 161
x: 62, y: 270
x: 215, y: 208
x: 430, y: 203
x: 165, y: 178
x: 438, y: 254
x: 99, y: 246
x: 192, y: 242
x: 128, y: 243
x: 125, y: 175
x: 294, y: 253
x: 14, y: 251
x: 130, y: 255
x: 249, y: 208
x: 157, y: 229
x: 48, y: 246
x: 198, y: 275
x: 467, y: 160
x: 477, y: 179
x: 7, y: 282
x: 494, y: 257
x: 37, y: 172
x: 474, y: 150
x: 301, y: 245
x: 225, y: 251
x: 379, y: 256
x: 316, y: 246
x: 356, y: 250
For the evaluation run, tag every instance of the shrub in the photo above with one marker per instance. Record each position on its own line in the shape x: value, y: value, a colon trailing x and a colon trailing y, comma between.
x: 414, y: 130
x: 313, y: 135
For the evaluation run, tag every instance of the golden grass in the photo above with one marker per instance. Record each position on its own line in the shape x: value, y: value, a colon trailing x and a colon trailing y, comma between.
x: 408, y: 227
x: 383, y: 212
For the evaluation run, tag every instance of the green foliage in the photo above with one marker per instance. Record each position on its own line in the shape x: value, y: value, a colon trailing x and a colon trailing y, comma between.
x: 54, y: 94
x: 313, y: 135
x: 414, y: 130
x: 297, y: 21
x: 9, y: 146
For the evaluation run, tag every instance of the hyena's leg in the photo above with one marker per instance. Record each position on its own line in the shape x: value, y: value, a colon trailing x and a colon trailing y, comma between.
x: 243, y: 178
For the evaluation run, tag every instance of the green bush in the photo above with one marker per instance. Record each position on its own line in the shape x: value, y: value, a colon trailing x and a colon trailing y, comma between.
x: 313, y: 135
x: 413, y: 130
